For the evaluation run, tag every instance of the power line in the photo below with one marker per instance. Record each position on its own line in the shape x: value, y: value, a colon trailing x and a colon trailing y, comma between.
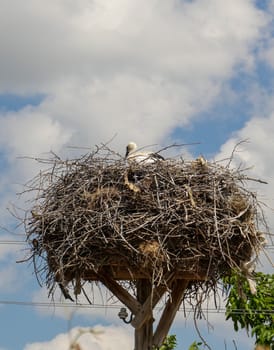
x: 118, y: 306
x: 13, y: 242
x: 53, y: 304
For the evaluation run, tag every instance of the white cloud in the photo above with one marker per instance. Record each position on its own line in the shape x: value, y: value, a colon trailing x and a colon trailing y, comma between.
x: 258, y: 150
x: 96, y: 38
x: 30, y: 132
x: 135, y: 69
x: 96, y: 338
x: 130, y: 106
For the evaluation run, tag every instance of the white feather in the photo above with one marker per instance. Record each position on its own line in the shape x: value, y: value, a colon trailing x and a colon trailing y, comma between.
x: 132, y: 155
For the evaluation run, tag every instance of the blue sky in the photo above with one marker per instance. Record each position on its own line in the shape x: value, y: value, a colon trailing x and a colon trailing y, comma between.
x: 14, y: 102
x: 157, y: 72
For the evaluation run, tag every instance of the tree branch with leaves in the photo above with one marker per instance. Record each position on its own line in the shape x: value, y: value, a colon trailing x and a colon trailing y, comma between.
x: 255, y: 312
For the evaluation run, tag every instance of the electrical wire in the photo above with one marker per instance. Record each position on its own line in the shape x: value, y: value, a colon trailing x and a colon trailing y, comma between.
x: 14, y: 242
x: 118, y: 306
x: 53, y: 304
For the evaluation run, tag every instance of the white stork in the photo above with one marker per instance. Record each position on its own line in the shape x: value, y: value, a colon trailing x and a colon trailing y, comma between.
x: 132, y: 155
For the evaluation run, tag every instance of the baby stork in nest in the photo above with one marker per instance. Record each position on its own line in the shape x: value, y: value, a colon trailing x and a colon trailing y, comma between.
x: 133, y: 155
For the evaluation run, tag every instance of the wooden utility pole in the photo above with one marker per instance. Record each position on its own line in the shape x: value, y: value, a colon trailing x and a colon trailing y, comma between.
x: 147, y: 297
x: 144, y: 334
x: 170, y: 310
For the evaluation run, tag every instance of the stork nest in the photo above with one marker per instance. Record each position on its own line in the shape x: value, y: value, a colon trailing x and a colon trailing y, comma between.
x: 99, y: 215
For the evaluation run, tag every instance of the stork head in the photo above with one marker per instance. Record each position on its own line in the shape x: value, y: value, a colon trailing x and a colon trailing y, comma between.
x: 130, y: 148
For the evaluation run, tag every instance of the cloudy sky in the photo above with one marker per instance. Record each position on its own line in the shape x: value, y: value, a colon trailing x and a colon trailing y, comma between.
x: 78, y: 73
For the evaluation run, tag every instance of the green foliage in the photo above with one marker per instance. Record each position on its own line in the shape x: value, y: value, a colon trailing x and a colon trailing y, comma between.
x: 253, y: 312
x: 195, y: 346
x: 169, y: 343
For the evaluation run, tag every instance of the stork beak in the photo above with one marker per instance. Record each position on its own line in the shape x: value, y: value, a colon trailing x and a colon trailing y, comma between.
x: 127, y: 152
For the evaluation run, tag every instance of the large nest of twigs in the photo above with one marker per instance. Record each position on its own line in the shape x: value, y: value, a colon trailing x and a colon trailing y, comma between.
x: 98, y: 214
